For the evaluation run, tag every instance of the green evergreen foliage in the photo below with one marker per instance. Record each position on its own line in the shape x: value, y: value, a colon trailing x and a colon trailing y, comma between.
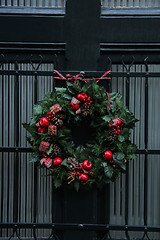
x: 98, y: 118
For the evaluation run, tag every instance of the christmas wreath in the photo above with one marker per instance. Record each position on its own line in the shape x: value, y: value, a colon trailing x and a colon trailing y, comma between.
x: 62, y: 113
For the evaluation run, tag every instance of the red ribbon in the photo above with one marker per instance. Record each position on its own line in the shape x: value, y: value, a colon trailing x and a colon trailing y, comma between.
x: 108, y: 105
x: 80, y: 77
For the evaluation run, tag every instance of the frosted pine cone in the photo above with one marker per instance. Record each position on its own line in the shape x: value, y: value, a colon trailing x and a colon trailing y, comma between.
x: 56, y: 150
x: 85, y: 109
x: 58, y: 122
x: 112, y: 135
x: 59, y: 115
x: 72, y: 163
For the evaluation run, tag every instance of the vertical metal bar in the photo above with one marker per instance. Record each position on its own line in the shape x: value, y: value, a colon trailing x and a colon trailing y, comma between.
x: 146, y: 145
x: 127, y: 165
x: 3, y: 3
x: 2, y: 143
x: 35, y: 206
x: 35, y: 165
x: 16, y: 142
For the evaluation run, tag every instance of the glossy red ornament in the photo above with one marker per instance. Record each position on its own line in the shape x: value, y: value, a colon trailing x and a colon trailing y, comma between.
x: 44, y: 122
x: 83, y: 177
x: 108, y: 155
x: 57, y: 161
x: 82, y: 97
x: 116, y: 122
x: 87, y: 165
x: 42, y: 130
x: 74, y: 107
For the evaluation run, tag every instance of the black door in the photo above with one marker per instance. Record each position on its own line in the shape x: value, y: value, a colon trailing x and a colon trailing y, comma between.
x: 83, y: 36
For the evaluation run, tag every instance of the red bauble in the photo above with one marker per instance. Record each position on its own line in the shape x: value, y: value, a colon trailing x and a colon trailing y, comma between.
x: 44, y: 122
x: 108, y: 155
x: 82, y: 97
x: 57, y: 161
x: 83, y: 177
x: 42, y: 130
x: 116, y: 122
x: 74, y: 107
x: 87, y: 165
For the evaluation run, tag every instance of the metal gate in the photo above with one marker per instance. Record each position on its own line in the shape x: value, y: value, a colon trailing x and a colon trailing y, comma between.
x: 30, y: 207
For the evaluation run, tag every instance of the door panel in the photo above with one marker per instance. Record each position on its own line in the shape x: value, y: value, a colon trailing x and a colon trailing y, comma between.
x: 87, y: 40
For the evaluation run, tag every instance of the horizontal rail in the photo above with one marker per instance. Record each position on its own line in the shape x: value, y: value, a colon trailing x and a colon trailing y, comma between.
x: 29, y: 149
x: 87, y: 74
x: 80, y: 226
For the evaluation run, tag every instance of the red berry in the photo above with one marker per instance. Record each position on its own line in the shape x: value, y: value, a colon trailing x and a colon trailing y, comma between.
x: 57, y: 161
x: 44, y: 122
x: 108, y: 155
x: 83, y: 177
x: 82, y: 97
x: 68, y: 75
x: 42, y: 130
x: 74, y: 107
x: 87, y: 165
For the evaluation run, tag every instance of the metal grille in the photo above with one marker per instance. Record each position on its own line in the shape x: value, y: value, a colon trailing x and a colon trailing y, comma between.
x: 21, y: 89
x: 130, y: 3
x: 136, y: 184
x: 33, y: 3
x: 61, y: 3
x: 134, y: 198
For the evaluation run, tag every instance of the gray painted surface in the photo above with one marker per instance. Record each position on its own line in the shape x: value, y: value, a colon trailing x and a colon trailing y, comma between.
x: 33, y: 3
x: 130, y: 3
x: 61, y: 3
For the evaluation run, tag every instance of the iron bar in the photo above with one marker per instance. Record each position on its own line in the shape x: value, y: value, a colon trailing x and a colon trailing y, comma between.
x: 35, y: 164
x: 127, y: 68
x: 16, y: 140
x: 76, y: 226
x: 29, y: 149
x: 87, y: 74
x: 146, y: 144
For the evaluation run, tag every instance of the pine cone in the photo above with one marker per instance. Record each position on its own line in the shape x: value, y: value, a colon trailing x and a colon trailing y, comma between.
x: 72, y: 163
x: 112, y: 135
x: 58, y: 122
x: 85, y: 109
x: 59, y: 115
x: 56, y: 150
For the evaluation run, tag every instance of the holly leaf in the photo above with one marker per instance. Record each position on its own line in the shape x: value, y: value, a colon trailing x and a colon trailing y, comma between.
x: 57, y: 182
x: 131, y: 156
x: 33, y: 158
x: 76, y: 185
x: 123, y: 166
x: 49, y: 150
x: 120, y: 156
x: 104, y: 164
x: 108, y: 171
x: 64, y: 163
x: 121, y: 138
x: 67, y: 96
x: 106, y: 118
x: 29, y: 128
x: 85, y: 87
x: 37, y: 109
x: 60, y: 89
x: 69, y: 84
x: 119, y: 101
x: 131, y: 148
